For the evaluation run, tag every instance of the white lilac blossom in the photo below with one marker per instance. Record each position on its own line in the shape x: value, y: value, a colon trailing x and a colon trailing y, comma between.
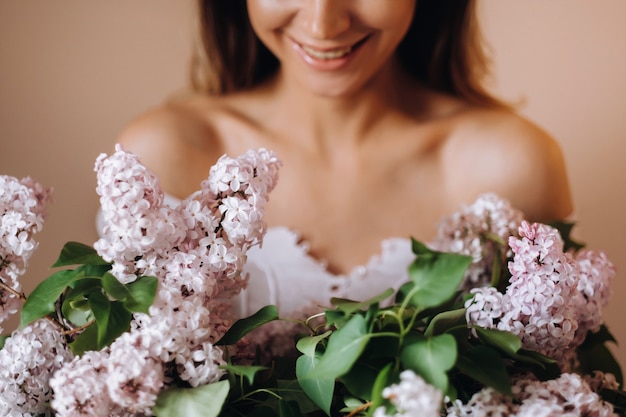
x: 133, y: 378
x: 568, y: 395
x: 22, y: 212
x: 412, y: 396
x: 197, y: 251
x: 29, y: 358
x: 79, y: 387
x: 485, y: 308
x: 476, y: 230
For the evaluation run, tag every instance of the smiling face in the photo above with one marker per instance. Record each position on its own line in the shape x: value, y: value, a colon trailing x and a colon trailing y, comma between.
x: 331, y: 47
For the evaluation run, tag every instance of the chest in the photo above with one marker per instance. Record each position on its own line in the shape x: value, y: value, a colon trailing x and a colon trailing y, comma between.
x: 343, y: 213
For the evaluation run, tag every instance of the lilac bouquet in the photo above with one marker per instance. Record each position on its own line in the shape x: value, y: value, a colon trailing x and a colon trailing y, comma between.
x: 143, y: 313
x: 500, y: 316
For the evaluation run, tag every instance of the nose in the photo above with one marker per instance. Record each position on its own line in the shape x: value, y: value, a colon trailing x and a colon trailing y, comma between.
x: 326, y: 19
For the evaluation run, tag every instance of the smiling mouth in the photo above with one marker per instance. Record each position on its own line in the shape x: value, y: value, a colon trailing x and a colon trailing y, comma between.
x: 331, y: 54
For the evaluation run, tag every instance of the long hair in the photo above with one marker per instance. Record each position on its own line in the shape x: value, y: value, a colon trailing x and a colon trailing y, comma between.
x: 443, y: 49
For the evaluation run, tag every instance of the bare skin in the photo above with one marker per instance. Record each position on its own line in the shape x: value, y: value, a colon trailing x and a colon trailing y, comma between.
x: 387, y: 161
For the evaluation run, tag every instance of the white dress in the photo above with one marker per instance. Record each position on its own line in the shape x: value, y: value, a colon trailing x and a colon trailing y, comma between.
x: 283, y: 273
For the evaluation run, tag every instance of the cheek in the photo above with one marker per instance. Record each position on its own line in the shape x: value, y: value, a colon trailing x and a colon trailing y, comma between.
x: 379, y: 15
x: 269, y: 15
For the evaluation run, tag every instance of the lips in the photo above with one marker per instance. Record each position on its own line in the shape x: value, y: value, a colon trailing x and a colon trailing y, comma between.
x: 327, y: 54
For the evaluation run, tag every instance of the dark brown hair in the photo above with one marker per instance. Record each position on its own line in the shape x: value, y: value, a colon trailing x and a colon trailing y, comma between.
x: 443, y: 49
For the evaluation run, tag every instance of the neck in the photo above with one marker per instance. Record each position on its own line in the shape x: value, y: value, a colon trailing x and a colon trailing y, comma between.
x: 326, y: 123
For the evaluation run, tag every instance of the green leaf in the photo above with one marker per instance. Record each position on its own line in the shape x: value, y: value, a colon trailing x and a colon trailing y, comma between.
x: 78, y: 316
x: 379, y: 352
x: 565, y: 230
x: 3, y: 340
x: 534, y: 358
x: 617, y: 398
x: 418, y: 248
x: 600, y: 337
x: 430, y: 357
x: 261, y: 410
x: 87, y: 340
x: 290, y: 390
x: 288, y: 409
x: 359, y: 380
x: 336, y: 318
x: 248, y: 372
x: 542, y: 366
x: 435, y: 277
x: 118, y: 323
x: 203, y: 401
x: 444, y: 320
x: 100, y: 335
x: 92, y: 271
x: 598, y: 357
x: 75, y: 307
x: 350, y: 306
x: 344, y: 348
x: 243, y: 326
x: 41, y: 301
x: 75, y: 253
x: 505, y: 341
x: 318, y: 389
x: 351, y: 404
x: 142, y: 293
x: 307, y: 345
x: 383, y: 380
x: 80, y: 289
x: 484, y: 364
x: 101, y: 308
x: 114, y: 288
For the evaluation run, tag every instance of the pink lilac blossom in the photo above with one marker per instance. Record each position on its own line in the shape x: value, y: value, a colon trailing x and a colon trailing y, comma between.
x: 542, y: 302
x: 553, y: 298
x: 477, y: 231
x: 598, y: 381
x: 596, y: 274
x: 22, y: 213
x: 197, y: 251
x: 29, y: 358
x: 568, y: 395
x: 412, y: 396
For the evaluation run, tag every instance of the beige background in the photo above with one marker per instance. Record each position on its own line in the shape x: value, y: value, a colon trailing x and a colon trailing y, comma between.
x: 73, y: 72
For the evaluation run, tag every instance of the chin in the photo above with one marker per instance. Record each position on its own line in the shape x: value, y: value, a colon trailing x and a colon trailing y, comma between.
x: 332, y: 88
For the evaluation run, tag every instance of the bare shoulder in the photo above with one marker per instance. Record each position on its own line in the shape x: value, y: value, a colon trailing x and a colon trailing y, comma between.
x: 177, y: 141
x: 502, y: 152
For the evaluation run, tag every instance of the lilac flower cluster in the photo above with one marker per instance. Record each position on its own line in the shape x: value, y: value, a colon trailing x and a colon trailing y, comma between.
x: 554, y: 298
x: 568, y: 395
x: 412, y: 396
x: 22, y: 212
x: 196, y: 250
x: 478, y: 231
x: 29, y: 358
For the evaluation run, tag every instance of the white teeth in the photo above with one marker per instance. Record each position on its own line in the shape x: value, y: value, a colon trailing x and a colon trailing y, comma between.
x: 327, y: 55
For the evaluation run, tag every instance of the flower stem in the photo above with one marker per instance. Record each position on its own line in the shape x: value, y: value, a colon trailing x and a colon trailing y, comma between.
x: 78, y: 329
x: 360, y: 408
x: 12, y: 291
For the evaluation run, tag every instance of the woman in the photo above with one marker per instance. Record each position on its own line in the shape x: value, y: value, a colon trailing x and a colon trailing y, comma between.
x: 380, y: 119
